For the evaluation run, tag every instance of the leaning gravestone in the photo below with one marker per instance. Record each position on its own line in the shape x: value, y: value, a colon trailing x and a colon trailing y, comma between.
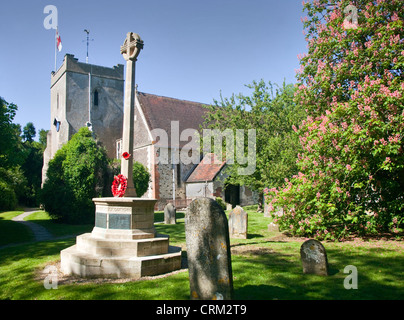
x: 314, y: 258
x: 208, y: 251
x: 169, y: 214
x: 238, y: 220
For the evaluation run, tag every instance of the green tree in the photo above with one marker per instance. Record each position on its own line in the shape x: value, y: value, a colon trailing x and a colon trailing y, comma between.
x: 271, y: 111
x: 10, y: 140
x: 75, y: 175
x: 29, y: 132
x: 43, y: 139
x: 351, y: 177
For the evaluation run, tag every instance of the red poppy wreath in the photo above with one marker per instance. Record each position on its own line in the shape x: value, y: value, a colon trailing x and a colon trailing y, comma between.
x: 119, y: 185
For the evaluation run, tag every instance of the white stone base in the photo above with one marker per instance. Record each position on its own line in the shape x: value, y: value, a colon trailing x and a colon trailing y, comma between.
x: 96, y: 257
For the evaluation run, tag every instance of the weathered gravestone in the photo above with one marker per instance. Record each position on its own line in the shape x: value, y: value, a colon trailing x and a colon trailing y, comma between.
x: 273, y: 227
x: 238, y: 220
x: 314, y: 258
x: 208, y: 251
x: 169, y: 214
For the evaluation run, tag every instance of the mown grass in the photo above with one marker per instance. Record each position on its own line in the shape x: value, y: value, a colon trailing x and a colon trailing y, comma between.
x: 265, y: 266
x: 11, y: 231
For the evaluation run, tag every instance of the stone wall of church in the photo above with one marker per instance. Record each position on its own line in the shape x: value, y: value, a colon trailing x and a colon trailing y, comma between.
x: 164, y: 180
x: 106, y: 117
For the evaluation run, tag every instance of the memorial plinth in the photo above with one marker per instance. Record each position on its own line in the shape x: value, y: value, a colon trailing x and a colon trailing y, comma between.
x: 122, y: 244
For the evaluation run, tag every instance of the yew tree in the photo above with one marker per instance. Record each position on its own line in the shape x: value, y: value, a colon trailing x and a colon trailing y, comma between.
x: 351, y: 172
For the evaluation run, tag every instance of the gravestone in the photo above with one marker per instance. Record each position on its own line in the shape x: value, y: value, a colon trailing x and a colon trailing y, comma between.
x: 169, y: 214
x: 267, y: 214
x: 273, y: 227
x: 208, y: 251
x: 238, y: 220
x: 314, y: 258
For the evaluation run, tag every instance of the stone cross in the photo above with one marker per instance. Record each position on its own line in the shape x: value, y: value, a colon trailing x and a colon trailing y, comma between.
x: 130, y: 51
x: 314, y: 258
x: 208, y: 251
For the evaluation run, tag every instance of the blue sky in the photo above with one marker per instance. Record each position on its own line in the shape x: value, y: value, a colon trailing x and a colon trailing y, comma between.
x: 194, y: 49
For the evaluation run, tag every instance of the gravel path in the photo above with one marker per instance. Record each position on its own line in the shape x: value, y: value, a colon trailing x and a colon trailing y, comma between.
x: 40, y: 233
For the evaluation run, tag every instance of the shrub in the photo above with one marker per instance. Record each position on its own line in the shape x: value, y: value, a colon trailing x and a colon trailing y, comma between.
x: 221, y: 203
x: 141, y: 178
x: 8, y: 199
x: 75, y: 175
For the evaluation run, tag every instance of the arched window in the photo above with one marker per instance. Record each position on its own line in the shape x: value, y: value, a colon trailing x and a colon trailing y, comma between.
x: 95, y: 98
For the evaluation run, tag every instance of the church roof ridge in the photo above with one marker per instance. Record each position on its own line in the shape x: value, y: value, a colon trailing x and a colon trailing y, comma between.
x: 178, y: 99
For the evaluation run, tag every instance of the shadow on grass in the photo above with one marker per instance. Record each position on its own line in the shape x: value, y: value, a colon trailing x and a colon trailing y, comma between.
x: 14, y: 232
x: 270, y: 274
x: 175, y: 231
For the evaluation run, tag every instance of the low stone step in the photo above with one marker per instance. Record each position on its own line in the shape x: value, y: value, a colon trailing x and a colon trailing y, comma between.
x: 87, y: 243
x: 85, y: 264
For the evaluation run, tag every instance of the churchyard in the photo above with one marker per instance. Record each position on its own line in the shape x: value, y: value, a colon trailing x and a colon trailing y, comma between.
x: 331, y: 186
x: 265, y: 266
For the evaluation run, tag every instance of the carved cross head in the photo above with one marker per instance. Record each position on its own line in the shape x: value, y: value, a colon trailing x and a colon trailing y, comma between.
x: 132, y: 46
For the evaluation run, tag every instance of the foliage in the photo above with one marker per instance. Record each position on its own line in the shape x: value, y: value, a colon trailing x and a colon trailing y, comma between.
x: 21, y: 157
x: 8, y: 199
x: 351, y: 173
x: 221, y: 203
x: 141, y: 178
x: 29, y: 132
x: 75, y: 175
x: 272, y: 113
x: 10, y: 140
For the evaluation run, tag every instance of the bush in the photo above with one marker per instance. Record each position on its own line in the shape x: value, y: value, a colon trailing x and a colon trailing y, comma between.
x: 16, y: 185
x: 75, y: 175
x: 8, y: 199
x: 221, y: 203
x: 141, y: 178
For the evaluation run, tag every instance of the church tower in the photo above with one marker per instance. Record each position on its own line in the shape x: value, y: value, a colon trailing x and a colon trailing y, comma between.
x: 85, y: 95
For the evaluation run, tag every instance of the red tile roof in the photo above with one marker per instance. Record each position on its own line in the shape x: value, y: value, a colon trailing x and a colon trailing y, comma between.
x: 160, y: 111
x: 207, y: 169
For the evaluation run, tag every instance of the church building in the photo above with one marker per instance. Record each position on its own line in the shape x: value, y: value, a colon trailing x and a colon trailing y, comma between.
x: 89, y: 95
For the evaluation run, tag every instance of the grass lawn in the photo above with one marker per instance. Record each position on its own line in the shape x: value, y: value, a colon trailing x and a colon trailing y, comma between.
x: 265, y: 266
x: 11, y: 231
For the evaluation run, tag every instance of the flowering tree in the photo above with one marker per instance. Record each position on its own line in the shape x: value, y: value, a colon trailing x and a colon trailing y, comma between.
x: 351, y: 172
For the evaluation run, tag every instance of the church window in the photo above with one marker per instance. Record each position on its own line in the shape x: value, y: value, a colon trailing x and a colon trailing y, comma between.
x: 56, y: 123
x: 95, y: 98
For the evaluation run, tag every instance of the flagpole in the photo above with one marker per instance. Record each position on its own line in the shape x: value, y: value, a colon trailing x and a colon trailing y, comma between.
x: 56, y: 46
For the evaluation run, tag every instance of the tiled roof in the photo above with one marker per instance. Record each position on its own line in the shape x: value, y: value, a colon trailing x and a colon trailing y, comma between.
x: 207, y: 169
x: 160, y: 111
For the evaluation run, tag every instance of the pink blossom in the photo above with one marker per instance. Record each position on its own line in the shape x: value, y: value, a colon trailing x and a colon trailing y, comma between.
x: 348, y: 167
